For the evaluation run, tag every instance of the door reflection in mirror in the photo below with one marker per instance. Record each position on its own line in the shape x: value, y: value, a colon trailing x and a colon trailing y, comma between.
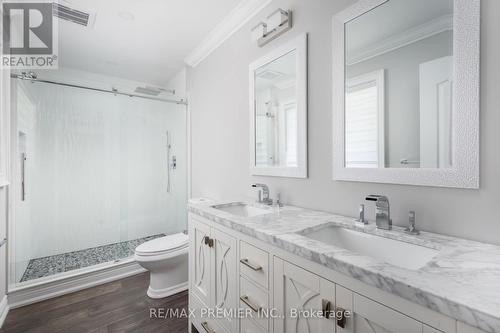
x: 276, y: 113
x: 399, y: 86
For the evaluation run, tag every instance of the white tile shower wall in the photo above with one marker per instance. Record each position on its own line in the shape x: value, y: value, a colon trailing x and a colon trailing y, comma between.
x: 97, y: 171
x: 180, y: 150
x: 218, y: 90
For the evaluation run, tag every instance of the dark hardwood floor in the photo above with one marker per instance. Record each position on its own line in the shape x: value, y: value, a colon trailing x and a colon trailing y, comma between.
x: 120, y: 306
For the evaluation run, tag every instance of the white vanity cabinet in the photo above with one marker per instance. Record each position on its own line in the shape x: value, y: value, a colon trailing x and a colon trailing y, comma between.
x: 212, y: 269
x: 230, y: 270
x: 296, y: 289
x: 200, y: 261
x: 368, y: 316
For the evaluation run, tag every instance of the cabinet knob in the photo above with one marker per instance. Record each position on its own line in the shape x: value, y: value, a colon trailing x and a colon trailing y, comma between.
x: 208, y: 241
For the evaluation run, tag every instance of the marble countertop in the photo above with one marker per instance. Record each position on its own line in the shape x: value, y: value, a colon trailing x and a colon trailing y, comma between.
x: 462, y: 281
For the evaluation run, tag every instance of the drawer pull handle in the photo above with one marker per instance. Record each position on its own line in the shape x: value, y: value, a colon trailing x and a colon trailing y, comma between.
x: 341, y: 317
x: 206, y: 328
x: 250, y: 265
x: 252, y: 306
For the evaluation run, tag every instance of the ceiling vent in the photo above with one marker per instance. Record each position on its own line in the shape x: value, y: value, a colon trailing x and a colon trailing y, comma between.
x: 268, y: 74
x: 148, y: 91
x: 72, y: 15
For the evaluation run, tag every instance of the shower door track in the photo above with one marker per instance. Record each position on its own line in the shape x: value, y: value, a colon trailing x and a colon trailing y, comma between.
x: 33, y: 78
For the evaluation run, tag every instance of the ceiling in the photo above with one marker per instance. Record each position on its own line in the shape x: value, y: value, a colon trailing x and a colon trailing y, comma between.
x: 393, y: 17
x: 139, y: 40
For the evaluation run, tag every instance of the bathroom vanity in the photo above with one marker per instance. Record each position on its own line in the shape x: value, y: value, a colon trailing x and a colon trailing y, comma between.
x: 270, y: 261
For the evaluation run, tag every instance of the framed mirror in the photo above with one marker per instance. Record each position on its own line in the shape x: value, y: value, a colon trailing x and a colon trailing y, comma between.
x: 278, y: 111
x: 406, y: 92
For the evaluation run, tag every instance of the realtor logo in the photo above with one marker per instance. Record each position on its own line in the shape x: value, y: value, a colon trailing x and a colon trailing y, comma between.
x: 28, y: 35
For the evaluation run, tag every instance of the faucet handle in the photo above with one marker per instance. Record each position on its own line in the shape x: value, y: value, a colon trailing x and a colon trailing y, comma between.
x: 278, y: 201
x: 362, y: 215
x: 411, y: 229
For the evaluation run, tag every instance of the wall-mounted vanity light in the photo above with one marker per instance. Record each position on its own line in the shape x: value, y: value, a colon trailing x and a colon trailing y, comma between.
x: 279, y: 22
x: 259, y: 31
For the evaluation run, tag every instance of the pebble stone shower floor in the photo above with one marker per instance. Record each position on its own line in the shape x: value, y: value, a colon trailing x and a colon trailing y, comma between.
x: 51, y: 265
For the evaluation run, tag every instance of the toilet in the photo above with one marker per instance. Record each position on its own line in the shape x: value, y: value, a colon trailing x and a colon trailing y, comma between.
x: 166, y: 258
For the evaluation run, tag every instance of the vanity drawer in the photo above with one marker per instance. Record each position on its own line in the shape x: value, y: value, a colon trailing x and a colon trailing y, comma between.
x: 254, y: 298
x: 368, y: 313
x: 204, y: 324
x: 249, y: 326
x: 254, y: 263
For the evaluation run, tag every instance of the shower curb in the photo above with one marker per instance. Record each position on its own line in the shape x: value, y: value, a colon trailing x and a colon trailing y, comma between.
x: 26, y: 295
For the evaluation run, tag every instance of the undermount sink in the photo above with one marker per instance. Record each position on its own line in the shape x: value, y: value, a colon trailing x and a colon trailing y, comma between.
x: 397, y: 253
x: 241, y: 209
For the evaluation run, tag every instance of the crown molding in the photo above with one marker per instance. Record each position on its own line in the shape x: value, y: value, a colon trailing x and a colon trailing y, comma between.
x: 399, y: 40
x: 240, y: 15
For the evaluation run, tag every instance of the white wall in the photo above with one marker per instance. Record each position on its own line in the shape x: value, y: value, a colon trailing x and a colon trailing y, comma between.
x: 3, y: 251
x: 178, y: 83
x: 4, y: 176
x: 218, y: 90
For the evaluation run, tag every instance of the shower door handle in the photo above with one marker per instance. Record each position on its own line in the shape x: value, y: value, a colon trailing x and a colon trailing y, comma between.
x: 3, y: 242
x: 23, y: 176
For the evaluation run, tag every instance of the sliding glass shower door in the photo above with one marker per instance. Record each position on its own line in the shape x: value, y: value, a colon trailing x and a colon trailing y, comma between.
x: 93, y: 177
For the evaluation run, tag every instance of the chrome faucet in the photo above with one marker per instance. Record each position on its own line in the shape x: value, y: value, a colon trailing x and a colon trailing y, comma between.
x: 383, y: 212
x: 263, y: 194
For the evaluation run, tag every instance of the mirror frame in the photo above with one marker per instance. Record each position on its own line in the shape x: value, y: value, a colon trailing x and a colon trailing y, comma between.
x: 466, y: 105
x: 299, y: 44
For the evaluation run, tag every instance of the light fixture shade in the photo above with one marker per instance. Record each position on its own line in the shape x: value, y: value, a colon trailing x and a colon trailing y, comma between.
x: 259, y: 31
x: 278, y: 17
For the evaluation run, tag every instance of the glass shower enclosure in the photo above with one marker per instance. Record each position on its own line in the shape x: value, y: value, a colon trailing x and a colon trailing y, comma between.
x: 95, y: 175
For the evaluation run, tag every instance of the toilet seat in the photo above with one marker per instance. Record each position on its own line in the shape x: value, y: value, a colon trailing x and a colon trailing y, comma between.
x: 163, y: 245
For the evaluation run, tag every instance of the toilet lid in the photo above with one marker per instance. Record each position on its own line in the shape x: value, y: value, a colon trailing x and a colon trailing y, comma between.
x: 162, y: 245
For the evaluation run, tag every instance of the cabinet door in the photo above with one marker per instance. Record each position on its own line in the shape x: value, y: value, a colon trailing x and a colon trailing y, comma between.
x: 368, y: 316
x: 225, y: 288
x: 200, y: 261
x: 299, y: 296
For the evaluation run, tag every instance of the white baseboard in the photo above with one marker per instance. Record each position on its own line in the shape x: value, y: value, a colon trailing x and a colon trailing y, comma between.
x: 4, y: 310
x: 29, y: 295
